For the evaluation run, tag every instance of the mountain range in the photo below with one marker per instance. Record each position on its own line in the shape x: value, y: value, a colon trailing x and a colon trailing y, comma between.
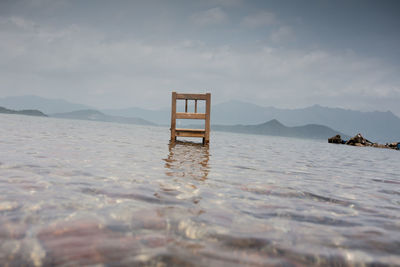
x: 30, y: 112
x: 275, y: 128
x: 94, y: 115
x: 45, y: 105
x: 376, y: 125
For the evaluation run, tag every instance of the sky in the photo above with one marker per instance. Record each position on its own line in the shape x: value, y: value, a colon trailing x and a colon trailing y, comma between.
x: 286, y: 54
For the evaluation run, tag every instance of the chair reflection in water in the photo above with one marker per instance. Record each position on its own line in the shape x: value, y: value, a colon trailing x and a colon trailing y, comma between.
x: 181, y: 132
x: 189, y: 160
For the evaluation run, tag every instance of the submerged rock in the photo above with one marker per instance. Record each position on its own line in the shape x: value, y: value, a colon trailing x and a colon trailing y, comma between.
x: 85, y: 243
x: 12, y: 230
x: 90, y: 242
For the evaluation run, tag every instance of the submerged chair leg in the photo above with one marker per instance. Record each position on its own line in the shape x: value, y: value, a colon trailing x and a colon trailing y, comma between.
x: 173, y: 117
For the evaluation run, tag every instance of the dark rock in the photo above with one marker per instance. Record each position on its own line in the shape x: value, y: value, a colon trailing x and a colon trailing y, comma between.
x: 359, y: 140
x: 337, y: 139
x: 393, y: 145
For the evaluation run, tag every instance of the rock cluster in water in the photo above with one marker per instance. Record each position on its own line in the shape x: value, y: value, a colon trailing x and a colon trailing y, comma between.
x: 359, y: 140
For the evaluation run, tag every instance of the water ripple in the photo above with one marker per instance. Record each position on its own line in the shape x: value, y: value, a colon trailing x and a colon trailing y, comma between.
x: 91, y: 193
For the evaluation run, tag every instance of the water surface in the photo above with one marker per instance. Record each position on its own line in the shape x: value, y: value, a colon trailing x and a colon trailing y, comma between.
x: 80, y: 192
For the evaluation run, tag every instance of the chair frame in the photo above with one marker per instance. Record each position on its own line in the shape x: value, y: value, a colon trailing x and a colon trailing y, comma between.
x: 181, y: 132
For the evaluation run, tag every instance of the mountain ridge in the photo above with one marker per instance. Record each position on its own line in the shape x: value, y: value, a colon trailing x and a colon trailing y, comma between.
x: 276, y: 128
x: 376, y: 125
x: 95, y: 115
x: 46, y: 105
x: 29, y: 112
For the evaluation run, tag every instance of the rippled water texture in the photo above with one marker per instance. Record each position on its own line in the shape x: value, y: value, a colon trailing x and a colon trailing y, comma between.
x: 78, y: 192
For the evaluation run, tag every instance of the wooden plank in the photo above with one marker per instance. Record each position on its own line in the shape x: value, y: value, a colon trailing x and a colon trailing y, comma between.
x: 186, y: 105
x: 195, y: 106
x: 173, y: 117
x: 191, y: 96
x: 190, y: 133
x: 186, y: 134
x: 191, y: 116
x: 207, y: 122
x: 190, y: 130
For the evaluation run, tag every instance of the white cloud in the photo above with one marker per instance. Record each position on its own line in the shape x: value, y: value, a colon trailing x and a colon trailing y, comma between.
x: 260, y: 19
x: 211, y: 16
x: 283, y: 33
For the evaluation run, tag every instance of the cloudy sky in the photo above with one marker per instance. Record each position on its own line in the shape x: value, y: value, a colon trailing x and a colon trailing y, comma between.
x: 289, y: 54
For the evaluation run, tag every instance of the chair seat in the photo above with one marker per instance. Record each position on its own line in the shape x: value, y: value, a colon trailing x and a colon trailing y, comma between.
x: 190, y: 132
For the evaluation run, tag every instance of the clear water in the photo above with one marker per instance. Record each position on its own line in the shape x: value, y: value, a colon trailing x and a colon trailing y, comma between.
x: 81, y: 193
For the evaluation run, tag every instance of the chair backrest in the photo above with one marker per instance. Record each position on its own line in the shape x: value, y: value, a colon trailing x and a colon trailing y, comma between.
x: 191, y: 115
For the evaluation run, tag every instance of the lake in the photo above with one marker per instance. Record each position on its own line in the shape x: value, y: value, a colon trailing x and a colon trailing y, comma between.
x: 85, y: 193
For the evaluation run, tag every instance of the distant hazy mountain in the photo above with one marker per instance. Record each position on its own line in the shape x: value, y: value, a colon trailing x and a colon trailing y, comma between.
x: 376, y: 126
x: 237, y: 112
x: 275, y: 128
x: 94, y: 115
x: 160, y: 116
x: 46, y: 105
x: 30, y: 112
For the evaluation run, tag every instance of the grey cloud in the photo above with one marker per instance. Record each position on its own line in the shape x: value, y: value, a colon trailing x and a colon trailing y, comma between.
x: 78, y: 60
x: 227, y: 2
x: 260, y: 19
x: 283, y: 33
x: 210, y: 17
x: 87, y: 63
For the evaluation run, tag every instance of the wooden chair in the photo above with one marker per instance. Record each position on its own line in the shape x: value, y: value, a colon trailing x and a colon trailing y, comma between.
x: 202, y: 133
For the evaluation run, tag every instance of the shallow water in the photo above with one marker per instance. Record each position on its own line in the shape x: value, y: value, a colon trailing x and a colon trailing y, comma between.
x: 79, y: 192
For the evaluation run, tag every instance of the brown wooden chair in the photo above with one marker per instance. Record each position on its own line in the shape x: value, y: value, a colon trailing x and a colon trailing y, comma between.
x: 202, y: 133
